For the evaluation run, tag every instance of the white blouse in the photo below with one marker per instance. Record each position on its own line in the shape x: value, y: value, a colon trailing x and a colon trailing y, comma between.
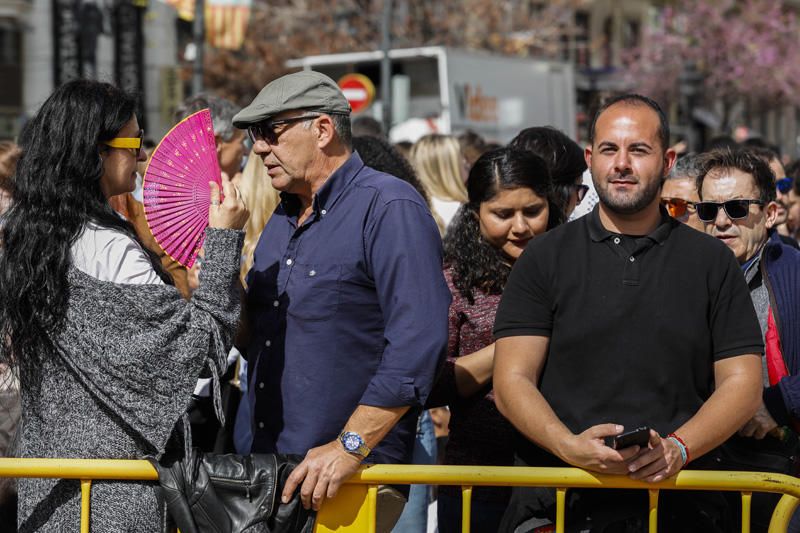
x: 110, y: 255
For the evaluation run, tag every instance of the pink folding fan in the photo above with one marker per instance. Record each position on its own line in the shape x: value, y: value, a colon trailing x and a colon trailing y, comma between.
x: 176, y: 195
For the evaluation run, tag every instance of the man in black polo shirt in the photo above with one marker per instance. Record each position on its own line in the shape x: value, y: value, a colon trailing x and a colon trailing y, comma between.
x: 621, y: 319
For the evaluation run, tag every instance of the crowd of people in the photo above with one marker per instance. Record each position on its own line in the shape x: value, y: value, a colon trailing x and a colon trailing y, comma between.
x: 515, y: 304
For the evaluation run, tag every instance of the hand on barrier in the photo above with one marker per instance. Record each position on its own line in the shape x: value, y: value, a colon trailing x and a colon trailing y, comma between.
x: 660, y: 460
x: 324, y: 469
x: 587, y: 450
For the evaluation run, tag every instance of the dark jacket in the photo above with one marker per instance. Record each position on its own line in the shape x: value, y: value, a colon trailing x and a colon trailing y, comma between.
x: 781, y: 274
x: 231, y: 494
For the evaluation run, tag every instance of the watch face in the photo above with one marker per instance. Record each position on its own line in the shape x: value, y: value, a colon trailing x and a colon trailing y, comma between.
x: 351, y: 441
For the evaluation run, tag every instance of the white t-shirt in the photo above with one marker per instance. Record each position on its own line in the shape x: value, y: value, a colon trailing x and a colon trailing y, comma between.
x: 110, y: 255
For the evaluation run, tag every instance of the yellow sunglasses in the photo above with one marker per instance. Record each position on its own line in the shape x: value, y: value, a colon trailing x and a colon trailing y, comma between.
x: 134, y: 143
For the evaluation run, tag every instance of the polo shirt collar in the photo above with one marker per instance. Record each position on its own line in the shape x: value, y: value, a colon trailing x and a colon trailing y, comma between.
x: 599, y: 233
x: 330, y: 191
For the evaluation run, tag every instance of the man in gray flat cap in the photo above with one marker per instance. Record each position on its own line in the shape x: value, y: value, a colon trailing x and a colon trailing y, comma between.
x: 345, y: 319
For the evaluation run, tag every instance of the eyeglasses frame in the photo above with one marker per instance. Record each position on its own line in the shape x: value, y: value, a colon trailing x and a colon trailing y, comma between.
x: 724, y: 207
x: 131, y: 143
x: 688, y: 205
x: 271, y: 125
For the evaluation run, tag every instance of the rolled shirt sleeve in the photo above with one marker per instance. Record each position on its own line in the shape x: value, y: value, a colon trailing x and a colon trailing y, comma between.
x: 405, y: 255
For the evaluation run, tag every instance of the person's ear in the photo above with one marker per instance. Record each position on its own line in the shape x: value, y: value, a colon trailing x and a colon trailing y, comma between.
x: 771, y: 214
x: 670, y: 157
x: 587, y: 156
x: 323, y: 130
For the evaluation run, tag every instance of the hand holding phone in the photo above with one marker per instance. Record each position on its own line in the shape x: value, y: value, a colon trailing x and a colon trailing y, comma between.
x: 637, y: 437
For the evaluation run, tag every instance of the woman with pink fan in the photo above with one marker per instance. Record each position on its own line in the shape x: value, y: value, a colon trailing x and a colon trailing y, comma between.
x: 108, y: 353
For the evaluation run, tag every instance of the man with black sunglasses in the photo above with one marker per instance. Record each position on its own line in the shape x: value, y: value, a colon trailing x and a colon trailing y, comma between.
x: 737, y: 190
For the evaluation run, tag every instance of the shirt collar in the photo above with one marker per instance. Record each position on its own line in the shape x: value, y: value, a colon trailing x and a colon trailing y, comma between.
x: 337, y: 182
x: 754, y: 261
x: 330, y: 191
x: 599, y: 233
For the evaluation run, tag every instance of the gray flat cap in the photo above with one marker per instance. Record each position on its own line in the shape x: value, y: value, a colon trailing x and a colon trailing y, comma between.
x: 302, y: 90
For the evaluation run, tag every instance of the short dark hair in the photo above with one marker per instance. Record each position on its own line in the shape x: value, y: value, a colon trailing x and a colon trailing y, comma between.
x: 341, y: 123
x: 793, y: 171
x: 764, y: 152
x: 633, y: 99
x: 744, y: 160
x: 719, y: 142
x: 366, y: 126
x: 563, y: 156
x: 377, y: 153
x: 760, y: 143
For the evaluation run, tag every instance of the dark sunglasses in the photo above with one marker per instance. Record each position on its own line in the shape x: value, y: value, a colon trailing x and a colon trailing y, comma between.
x: 677, y: 207
x: 735, y: 209
x: 265, y: 131
x: 784, y: 185
x: 580, y: 191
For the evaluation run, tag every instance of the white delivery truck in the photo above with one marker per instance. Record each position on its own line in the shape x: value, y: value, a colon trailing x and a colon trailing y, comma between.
x: 495, y: 96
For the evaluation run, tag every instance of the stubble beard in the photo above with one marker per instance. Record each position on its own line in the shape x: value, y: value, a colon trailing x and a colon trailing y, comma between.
x: 629, y: 204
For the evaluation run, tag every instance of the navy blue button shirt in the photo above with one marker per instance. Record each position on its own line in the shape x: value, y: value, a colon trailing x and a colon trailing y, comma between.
x: 349, y: 308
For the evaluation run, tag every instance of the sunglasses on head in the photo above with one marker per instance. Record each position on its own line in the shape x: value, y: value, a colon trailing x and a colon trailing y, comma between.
x: 735, y: 209
x: 784, y: 185
x: 265, y: 130
x: 133, y: 143
x: 580, y: 191
x: 677, y: 207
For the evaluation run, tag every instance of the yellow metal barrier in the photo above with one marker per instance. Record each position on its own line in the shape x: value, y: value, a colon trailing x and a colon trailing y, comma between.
x: 86, y: 470
x: 352, y: 512
x: 355, y: 507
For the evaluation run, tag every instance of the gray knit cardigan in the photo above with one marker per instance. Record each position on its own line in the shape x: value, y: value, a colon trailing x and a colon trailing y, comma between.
x: 129, y: 357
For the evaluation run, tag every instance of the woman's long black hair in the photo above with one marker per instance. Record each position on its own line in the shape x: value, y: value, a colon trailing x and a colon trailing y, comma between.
x: 56, y: 192
x: 476, y: 264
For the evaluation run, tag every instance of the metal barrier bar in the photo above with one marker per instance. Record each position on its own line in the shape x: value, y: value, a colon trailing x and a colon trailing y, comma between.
x: 466, y: 508
x: 122, y: 469
x: 652, y: 513
x: 747, y: 498
x: 576, y: 478
x: 372, y: 497
x: 561, y: 509
x: 86, y: 492
x: 86, y: 470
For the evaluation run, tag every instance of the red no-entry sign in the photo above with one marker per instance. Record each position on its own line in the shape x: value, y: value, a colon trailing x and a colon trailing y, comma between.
x: 359, y: 91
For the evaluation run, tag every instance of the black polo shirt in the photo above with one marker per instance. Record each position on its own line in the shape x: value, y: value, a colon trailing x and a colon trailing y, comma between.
x: 635, y: 323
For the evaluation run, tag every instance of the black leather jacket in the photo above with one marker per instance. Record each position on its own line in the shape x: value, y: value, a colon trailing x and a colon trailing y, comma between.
x: 207, y: 493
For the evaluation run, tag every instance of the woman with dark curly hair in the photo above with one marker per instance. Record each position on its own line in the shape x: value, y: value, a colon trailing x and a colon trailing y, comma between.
x: 511, y: 201
x: 107, y: 353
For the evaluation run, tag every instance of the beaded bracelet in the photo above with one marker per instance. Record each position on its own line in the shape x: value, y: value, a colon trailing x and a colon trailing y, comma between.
x: 681, y: 446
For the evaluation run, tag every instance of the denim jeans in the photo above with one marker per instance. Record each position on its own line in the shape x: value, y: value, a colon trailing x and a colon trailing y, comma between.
x: 415, y: 515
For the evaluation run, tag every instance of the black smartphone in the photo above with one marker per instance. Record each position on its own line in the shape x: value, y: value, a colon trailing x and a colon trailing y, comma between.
x: 637, y: 437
